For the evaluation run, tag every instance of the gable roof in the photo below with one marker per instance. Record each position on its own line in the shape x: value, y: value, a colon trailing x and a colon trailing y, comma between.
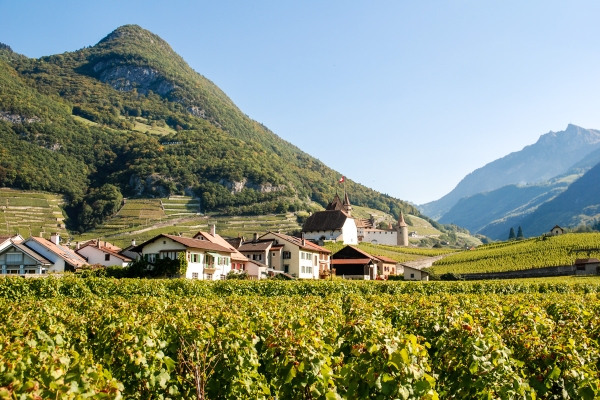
x: 217, y: 239
x: 30, y: 252
x: 258, y: 245
x: 325, y: 221
x: 298, y: 242
x: 105, y: 247
x: 68, y: 255
x: 336, y: 204
x: 582, y: 261
x: 187, y: 242
x: 556, y: 226
x: 386, y: 259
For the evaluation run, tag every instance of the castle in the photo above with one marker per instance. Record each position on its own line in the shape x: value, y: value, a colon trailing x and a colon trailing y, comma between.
x: 336, y: 223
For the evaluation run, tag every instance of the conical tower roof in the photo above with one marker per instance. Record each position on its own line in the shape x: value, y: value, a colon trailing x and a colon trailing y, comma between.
x: 401, y: 222
x: 336, y: 204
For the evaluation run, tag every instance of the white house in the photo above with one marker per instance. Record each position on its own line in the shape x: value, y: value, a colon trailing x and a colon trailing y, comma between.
x: 98, y: 252
x: 556, y: 231
x: 62, y: 258
x: 206, y: 260
x: 298, y: 256
x: 18, y: 259
x: 335, y: 223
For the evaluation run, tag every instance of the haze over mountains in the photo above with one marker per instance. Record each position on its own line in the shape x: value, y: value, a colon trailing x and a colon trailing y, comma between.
x: 526, y: 187
x: 129, y: 117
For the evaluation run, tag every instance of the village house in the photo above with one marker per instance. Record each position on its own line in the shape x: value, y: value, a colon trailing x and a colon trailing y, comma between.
x: 415, y: 274
x: 260, y: 250
x: 239, y: 262
x: 354, y: 263
x: 18, y: 259
x: 206, y: 260
x: 587, y: 266
x: 556, y: 231
x: 333, y: 224
x: 63, y: 259
x: 98, y: 252
x: 297, y: 256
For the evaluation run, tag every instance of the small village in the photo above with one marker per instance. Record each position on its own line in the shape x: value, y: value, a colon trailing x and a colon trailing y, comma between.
x: 209, y: 256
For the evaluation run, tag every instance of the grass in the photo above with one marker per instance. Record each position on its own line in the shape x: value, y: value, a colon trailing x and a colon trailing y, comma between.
x: 141, y: 125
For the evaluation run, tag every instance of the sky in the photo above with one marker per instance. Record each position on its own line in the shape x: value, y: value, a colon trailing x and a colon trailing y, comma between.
x: 404, y: 97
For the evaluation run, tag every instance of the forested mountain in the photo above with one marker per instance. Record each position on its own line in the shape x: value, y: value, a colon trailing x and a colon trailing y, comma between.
x: 553, y: 154
x: 70, y: 124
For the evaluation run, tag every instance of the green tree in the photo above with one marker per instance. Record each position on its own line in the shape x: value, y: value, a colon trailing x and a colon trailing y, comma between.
x: 520, y: 234
x: 511, y: 234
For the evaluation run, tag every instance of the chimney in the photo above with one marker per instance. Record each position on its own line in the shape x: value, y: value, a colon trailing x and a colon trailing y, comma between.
x: 255, y: 237
x: 133, y: 242
x: 55, y: 238
x: 303, y: 241
x: 213, y: 229
x: 98, y: 243
x: 77, y: 246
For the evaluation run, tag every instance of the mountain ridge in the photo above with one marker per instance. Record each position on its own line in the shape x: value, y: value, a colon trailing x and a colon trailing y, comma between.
x: 552, y: 154
x: 233, y: 164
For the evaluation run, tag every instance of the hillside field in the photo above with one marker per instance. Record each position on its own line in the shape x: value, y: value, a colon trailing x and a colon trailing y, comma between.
x: 524, y: 254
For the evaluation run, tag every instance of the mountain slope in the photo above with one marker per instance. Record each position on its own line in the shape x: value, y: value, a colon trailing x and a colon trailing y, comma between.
x: 579, y: 203
x: 476, y: 212
x: 232, y: 163
x: 553, y: 154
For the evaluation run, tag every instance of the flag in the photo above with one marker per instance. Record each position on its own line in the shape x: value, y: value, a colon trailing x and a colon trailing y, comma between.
x: 342, y: 179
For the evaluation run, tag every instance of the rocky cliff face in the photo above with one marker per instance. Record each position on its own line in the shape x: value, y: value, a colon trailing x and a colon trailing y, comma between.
x: 18, y: 119
x: 237, y: 187
x: 125, y: 77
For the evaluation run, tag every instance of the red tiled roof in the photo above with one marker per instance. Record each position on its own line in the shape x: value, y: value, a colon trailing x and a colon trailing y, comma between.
x: 386, y: 259
x: 217, y: 239
x: 188, y: 242
x: 65, y: 253
x: 261, y: 245
x: 298, y: 242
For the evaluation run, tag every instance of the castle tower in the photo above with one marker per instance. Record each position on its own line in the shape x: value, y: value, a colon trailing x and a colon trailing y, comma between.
x: 347, y: 208
x: 402, y: 236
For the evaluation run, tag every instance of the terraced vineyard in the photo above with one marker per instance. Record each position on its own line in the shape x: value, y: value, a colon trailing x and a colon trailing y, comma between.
x: 142, y: 219
x: 524, y: 254
x: 30, y: 213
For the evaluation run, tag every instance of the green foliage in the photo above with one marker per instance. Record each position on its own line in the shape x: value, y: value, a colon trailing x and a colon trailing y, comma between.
x: 83, y: 337
x: 511, y: 234
x: 204, y: 155
x: 99, y: 204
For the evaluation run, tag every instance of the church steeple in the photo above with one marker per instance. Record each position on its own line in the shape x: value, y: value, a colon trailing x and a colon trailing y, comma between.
x: 347, y: 207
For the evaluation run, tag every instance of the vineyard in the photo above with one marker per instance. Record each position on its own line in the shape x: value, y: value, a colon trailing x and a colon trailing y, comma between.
x: 517, y: 255
x: 74, y: 338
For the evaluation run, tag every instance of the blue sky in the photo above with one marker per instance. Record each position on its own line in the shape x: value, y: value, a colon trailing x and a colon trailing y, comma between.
x: 404, y: 97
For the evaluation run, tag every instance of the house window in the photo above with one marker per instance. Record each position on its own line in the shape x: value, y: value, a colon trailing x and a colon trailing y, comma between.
x: 412, y: 275
x: 316, y: 261
x: 107, y: 257
x: 151, y: 257
x: 208, y: 277
x: 287, y: 255
x: 273, y: 254
x: 14, y: 258
x: 194, y: 275
x: 195, y: 257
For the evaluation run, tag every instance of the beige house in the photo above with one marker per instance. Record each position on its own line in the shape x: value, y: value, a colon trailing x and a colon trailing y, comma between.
x: 297, y: 256
x: 414, y: 274
x: 63, y: 259
x: 206, y: 260
x: 239, y: 262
